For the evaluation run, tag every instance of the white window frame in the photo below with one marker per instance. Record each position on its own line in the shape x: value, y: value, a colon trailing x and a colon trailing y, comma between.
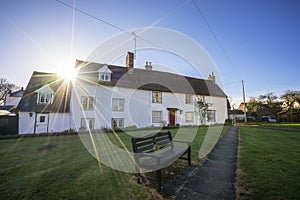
x: 187, y: 118
x: 44, y: 119
x: 157, y: 119
x: 103, y: 76
x: 211, y: 115
x: 188, y: 99
x: 89, y: 121
x: 119, y: 122
x: 44, y: 98
x: 118, y: 104
x: 90, y: 103
x: 156, y: 97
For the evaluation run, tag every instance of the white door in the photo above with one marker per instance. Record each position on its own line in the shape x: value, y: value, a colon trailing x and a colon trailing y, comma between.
x: 41, y: 125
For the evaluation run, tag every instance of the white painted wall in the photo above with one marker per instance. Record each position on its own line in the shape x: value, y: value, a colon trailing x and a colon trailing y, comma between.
x: 58, y: 122
x: 26, y: 122
x: 138, y: 106
x: 220, y: 105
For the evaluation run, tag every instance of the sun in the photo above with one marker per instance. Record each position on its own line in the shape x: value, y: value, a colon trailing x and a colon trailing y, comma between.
x: 68, y: 74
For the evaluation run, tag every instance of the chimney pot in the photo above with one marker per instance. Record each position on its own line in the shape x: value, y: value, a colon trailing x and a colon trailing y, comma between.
x: 129, y: 60
x: 212, y: 77
x: 148, y: 66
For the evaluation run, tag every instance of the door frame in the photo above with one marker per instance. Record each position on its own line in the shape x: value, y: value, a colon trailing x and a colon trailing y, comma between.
x: 36, y: 121
x: 172, y: 113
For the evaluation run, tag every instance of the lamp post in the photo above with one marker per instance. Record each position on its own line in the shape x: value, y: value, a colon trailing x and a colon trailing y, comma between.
x: 245, y: 115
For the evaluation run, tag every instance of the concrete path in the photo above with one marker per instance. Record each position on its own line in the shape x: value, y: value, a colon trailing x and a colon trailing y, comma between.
x: 215, y: 179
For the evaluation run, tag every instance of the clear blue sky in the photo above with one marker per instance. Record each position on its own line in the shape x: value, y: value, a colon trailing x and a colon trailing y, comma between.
x: 261, y: 38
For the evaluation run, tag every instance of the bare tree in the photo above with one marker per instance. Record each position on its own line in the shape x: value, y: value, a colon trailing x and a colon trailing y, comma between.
x: 291, y: 97
x: 5, y: 88
x: 268, y: 98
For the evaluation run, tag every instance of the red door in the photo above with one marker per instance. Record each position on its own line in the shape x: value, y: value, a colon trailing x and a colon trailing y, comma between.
x: 172, y: 118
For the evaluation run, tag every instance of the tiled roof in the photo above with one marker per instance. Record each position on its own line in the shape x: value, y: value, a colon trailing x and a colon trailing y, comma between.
x: 148, y: 80
x: 7, y: 107
x: 61, y: 102
x: 18, y: 93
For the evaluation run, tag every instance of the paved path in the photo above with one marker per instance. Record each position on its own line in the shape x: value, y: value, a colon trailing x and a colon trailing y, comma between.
x: 215, y: 179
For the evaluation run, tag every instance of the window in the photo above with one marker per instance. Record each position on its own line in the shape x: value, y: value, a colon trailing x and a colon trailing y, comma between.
x: 156, y: 116
x: 189, y: 117
x: 117, y: 122
x: 104, y: 73
x: 200, y: 98
x: 87, y: 103
x: 156, y: 97
x: 42, y: 119
x: 104, y: 76
x: 188, y: 98
x: 211, y: 115
x: 118, y: 104
x: 44, y: 98
x: 87, y: 123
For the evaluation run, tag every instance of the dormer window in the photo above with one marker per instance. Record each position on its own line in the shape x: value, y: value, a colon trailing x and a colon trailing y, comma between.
x: 44, y: 98
x: 104, y: 73
x: 104, y: 76
x: 45, y: 95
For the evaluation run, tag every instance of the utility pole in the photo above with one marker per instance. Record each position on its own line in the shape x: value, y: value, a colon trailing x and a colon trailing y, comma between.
x: 245, y: 115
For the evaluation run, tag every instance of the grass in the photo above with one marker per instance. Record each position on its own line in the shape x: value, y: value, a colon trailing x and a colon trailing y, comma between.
x: 283, y: 125
x: 59, y: 167
x: 269, y: 164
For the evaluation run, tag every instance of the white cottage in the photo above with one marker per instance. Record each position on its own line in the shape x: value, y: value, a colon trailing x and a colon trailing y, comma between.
x: 106, y: 96
x: 45, y: 105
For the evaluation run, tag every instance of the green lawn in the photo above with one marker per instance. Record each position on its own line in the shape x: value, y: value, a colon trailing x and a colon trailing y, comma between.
x: 270, y: 163
x: 68, y: 171
x: 283, y: 125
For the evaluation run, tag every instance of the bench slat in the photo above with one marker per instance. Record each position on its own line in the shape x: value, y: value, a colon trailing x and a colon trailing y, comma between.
x: 145, y: 142
x: 163, y: 143
x: 145, y: 149
x: 166, y: 137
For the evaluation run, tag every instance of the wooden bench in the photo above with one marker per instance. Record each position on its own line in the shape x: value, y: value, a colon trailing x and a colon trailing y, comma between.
x: 156, y: 151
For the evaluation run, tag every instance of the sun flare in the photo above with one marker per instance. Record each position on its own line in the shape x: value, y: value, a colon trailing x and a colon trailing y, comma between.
x: 68, y: 74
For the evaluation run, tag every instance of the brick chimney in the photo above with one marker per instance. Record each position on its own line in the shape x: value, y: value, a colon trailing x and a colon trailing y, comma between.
x: 148, y: 66
x: 129, y: 60
x: 212, y: 77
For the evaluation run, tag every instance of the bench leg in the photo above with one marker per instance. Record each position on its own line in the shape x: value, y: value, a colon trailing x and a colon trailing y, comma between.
x: 189, y: 155
x: 158, y: 179
x: 139, y: 178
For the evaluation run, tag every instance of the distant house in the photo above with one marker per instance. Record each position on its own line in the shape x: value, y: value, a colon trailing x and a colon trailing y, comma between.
x: 242, y: 107
x: 8, y: 118
x: 13, y: 98
x: 45, y: 105
x: 290, y: 112
x: 236, y: 115
x: 116, y: 96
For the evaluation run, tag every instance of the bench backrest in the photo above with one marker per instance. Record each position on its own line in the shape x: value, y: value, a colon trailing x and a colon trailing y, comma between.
x: 150, y: 143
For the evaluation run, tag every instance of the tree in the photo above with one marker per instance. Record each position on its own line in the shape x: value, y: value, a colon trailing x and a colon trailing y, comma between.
x: 202, y: 108
x: 290, y: 110
x: 269, y: 98
x: 290, y: 97
x: 271, y: 106
x: 266, y: 104
x: 5, y: 88
x: 254, y: 107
